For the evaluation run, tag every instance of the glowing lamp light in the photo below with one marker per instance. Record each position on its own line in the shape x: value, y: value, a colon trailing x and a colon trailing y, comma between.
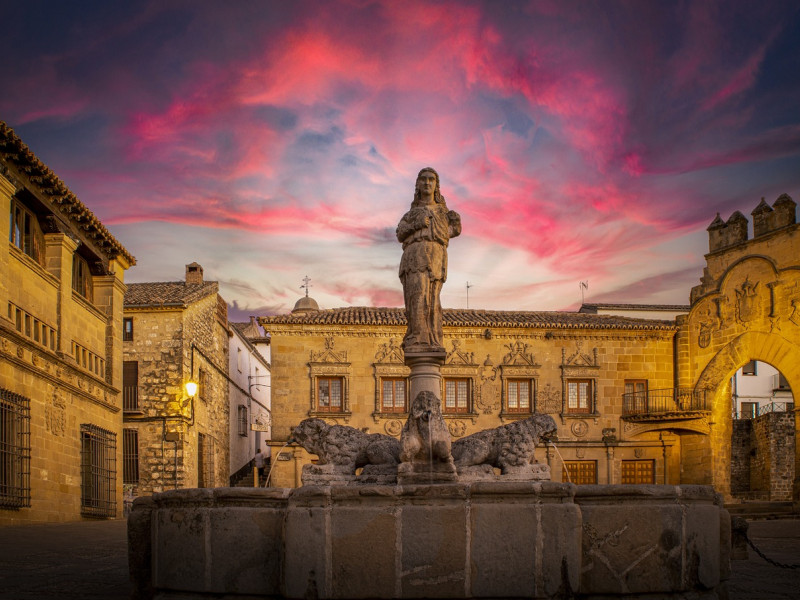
x: 191, y: 389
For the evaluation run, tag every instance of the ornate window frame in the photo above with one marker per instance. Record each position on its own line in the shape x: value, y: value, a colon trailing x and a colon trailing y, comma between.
x: 583, y: 366
x: 389, y: 363
x: 461, y: 365
x: 329, y: 363
x: 518, y: 364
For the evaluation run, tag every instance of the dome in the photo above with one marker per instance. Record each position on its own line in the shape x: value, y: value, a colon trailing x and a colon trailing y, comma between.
x: 305, y: 304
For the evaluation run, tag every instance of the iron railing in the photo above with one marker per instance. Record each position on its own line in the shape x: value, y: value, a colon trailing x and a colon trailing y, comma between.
x: 670, y: 401
x: 772, y: 407
x: 98, y: 471
x: 130, y: 456
x: 15, y: 450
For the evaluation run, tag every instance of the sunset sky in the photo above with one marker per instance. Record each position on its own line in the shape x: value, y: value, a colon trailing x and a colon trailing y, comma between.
x: 273, y: 140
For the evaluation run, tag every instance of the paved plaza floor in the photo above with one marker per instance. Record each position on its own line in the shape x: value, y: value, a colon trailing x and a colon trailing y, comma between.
x: 88, y: 561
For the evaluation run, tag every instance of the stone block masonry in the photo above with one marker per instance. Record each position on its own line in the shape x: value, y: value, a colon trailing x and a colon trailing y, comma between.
x: 479, y: 540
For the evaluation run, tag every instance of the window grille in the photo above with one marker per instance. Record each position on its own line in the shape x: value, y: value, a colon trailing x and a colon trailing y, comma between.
x: 130, y: 456
x: 241, y: 419
x: 98, y: 471
x: 15, y: 450
x: 130, y: 386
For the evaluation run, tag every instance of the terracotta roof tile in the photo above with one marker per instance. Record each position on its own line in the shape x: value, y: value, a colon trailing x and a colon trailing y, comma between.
x: 168, y: 293
x: 360, y: 315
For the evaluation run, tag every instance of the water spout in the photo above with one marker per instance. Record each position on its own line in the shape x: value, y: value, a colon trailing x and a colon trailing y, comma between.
x: 563, y: 464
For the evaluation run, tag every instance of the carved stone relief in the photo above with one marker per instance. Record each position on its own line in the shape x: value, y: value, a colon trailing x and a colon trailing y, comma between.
x: 55, y: 414
x: 748, y: 302
x: 393, y: 427
x: 518, y: 355
x: 579, y: 358
x: 579, y: 428
x: 549, y: 400
x: 456, y: 356
x: 457, y: 428
x: 390, y: 352
x: 580, y: 452
x: 488, y: 399
x: 329, y: 354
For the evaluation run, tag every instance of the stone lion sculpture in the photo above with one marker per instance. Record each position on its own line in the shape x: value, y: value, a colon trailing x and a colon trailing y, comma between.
x: 425, y: 436
x: 345, y: 448
x: 509, y: 447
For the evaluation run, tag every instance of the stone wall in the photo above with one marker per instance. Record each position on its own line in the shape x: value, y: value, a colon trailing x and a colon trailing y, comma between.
x: 480, y: 540
x: 741, y: 449
x: 773, y: 463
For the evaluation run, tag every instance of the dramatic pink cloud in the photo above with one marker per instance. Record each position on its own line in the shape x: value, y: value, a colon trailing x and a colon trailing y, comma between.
x: 274, y: 140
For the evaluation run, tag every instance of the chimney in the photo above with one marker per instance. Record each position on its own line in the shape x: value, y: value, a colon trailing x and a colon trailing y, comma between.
x: 194, y: 274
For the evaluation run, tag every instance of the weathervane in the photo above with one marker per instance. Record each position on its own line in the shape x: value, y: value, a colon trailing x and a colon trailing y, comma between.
x: 306, y: 284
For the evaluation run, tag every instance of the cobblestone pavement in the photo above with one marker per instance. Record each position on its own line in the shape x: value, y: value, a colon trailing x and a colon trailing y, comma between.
x: 70, y: 561
x: 88, y: 561
x: 755, y: 578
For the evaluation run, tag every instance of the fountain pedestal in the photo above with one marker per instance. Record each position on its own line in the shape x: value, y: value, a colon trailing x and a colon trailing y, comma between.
x: 426, y: 456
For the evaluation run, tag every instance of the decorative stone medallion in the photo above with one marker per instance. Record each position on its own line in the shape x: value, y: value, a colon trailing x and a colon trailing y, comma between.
x: 457, y: 428
x: 579, y: 428
x: 393, y: 427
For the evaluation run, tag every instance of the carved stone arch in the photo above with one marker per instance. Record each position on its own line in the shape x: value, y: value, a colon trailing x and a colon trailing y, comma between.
x: 752, y: 345
x: 751, y: 257
x: 715, y: 378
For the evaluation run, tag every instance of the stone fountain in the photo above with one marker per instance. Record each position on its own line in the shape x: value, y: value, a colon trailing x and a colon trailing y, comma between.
x: 426, y: 517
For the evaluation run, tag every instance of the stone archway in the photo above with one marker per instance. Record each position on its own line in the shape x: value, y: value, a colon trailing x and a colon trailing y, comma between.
x: 715, y: 379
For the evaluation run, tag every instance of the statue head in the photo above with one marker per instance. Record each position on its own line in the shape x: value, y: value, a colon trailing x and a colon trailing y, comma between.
x: 437, y: 195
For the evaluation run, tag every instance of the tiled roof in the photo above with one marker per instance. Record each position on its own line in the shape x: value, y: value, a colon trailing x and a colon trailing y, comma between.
x: 364, y: 315
x: 168, y: 293
x: 15, y: 152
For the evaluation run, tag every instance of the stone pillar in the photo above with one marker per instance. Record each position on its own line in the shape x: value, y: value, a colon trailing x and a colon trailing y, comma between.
x: 426, y: 375
x: 425, y: 440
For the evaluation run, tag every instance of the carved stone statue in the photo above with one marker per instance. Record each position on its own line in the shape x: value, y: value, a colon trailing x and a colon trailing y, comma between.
x: 425, y: 231
x: 425, y: 443
x: 342, y: 450
x: 509, y: 447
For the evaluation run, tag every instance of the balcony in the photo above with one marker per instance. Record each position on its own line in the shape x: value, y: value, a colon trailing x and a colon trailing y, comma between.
x: 665, y: 405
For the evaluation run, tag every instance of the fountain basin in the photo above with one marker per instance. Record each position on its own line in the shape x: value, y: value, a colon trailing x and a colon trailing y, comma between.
x: 482, y: 539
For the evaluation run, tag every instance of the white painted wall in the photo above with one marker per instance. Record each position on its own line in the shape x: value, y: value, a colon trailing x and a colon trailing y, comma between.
x: 758, y: 388
x: 251, y: 373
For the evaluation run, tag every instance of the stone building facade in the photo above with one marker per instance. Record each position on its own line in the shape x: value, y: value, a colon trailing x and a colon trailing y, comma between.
x: 61, y: 296
x: 346, y: 366
x: 175, y: 332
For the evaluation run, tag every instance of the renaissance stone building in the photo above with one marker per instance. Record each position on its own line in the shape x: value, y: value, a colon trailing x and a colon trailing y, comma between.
x: 636, y: 400
x: 174, y: 333
x: 61, y: 295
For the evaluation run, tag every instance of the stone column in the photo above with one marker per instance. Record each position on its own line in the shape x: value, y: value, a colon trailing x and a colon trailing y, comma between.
x: 426, y: 375
x: 425, y: 439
